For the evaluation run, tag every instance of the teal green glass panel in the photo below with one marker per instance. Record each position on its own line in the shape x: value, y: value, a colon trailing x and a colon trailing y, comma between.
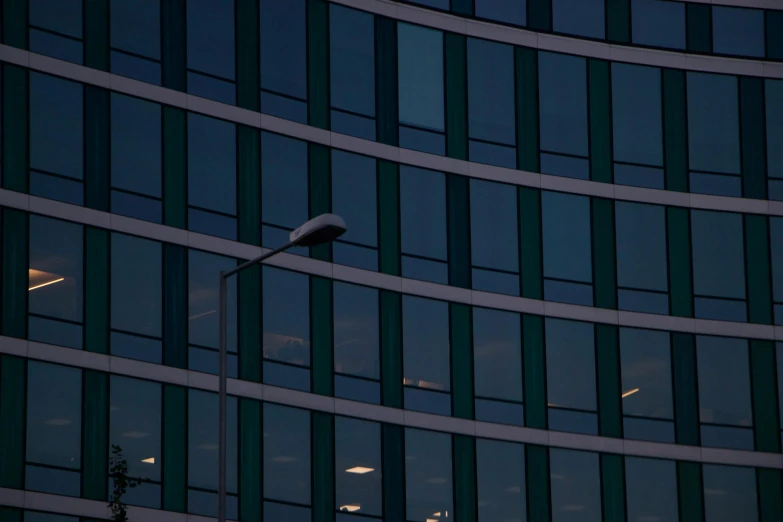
x: 463, y: 7
x: 97, y: 152
x: 250, y: 455
x: 456, y: 86
x: 686, y: 402
x: 323, y: 467
x: 95, y: 444
x: 175, y: 426
x: 249, y: 327
x: 389, y: 216
x: 321, y: 327
x: 698, y: 20
x: 386, y: 80
x: 175, y: 306
x: 393, y: 461
x: 534, y: 364
x: 10, y: 514
x: 526, y: 74
x: 391, y: 350
x: 613, y: 487
x: 604, y: 258
x: 770, y: 498
x: 320, y: 167
x: 754, y: 165
x: 318, y: 63
x: 15, y: 273
x: 461, y: 361
x: 173, y: 44
x: 600, y: 109
x: 680, y: 275
x: 249, y: 188
x: 610, y: 415
x: 96, y: 35
x: 774, y: 32
x: 618, y: 19
x: 690, y: 491
x: 175, y: 188
x: 675, y: 130
x: 13, y: 385
x: 537, y: 480
x: 530, y: 243
x: 766, y: 423
x: 248, y: 50
x: 465, y: 502
x: 15, y: 23
x: 458, y: 202
x: 15, y: 125
x: 759, y: 277
x: 539, y: 15
x: 96, y: 290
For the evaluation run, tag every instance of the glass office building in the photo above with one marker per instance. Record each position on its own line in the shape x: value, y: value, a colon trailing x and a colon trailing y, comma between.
x: 559, y: 299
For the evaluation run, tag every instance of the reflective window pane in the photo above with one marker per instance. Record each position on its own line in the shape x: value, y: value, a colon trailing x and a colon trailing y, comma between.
x: 494, y: 238
x: 355, y: 198
x: 718, y: 259
x: 497, y: 354
x: 500, y: 477
x: 645, y: 364
x: 286, y: 319
x: 356, y: 327
x: 562, y: 91
x: 210, y: 29
x: 636, y: 114
x: 776, y: 248
x: 509, y: 11
x: 423, y: 212
x: 491, y: 115
x: 658, y: 23
x: 713, y: 123
x: 773, y: 90
x: 570, y: 364
x: 651, y: 490
x: 738, y: 31
x: 729, y: 494
x: 358, y: 483
x: 56, y: 28
x: 724, y: 380
x: 286, y: 454
x: 579, y: 17
x: 428, y: 482
x: 575, y: 486
x: 420, y: 76
x: 284, y: 179
x: 284, y: 59
x: 425, y: 341
x: 135, y: 27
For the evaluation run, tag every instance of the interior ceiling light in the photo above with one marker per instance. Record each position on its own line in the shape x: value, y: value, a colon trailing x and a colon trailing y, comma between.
x: 629, y: 392
x: 359, y: 470
x: 39, y: 279
x: 350, y: 508
x: 150, y: 460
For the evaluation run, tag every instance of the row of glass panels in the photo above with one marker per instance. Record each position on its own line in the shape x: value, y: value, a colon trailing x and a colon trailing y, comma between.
x: 137, y: 420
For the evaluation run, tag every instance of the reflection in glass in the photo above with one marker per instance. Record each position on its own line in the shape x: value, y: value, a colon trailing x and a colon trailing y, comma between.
x: 645, y: 364
x: 423, y: 234
x: 500, y: 475
x: 658, y: 23
x: 509, y: 11
x: 286, y: 454
x: 284, y: 59
x: 134, y: 34
x: 34, y: 516
x: 428, y: 482
x: 356, y: 327
x: 738, y: 31
x: 579, y: 17
x: 358, y: 483
x: 497, y: 354
x: 651, y: 490
x: 575, y: 486
x: 210, y: 50
x: 493, y: 230
x: 60, y: 24
x: 284, y: 183
x: 729, y: 494
x: 355, y: 198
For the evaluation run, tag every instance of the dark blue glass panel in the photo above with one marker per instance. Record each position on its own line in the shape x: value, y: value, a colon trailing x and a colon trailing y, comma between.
x: 637, y: 122
x: 56, y: 46
x: 285, y: 376
x: 422, y: 140
x: 729, y: 493
x: 420, y: 75
x: 212, y: 88
x: 212, y: 224
x: 352, y: 60
x: 497, y: 354
x: 426, y: 348
x: 210, y: 29
x: 353, y: 125
x: 136, y: 68
x: 573, y: 421
x: 659, y: 23
x: 34, y: 516
x: 567, y: 166
x: 425, y: 270
x: 356, y: 326
x: 135, y: 347
x: 136, y: 150
x: 570, y: 362
x: 286, y: 316
x: 738, y: 31
x: 718, y: 259
x: 509, y: 11
x: 358, y: 443
x: 575, y: 479
x: 773, y: 92
x: 355, y: 197
x: 203, y: 289
x: 716, y: 184
x: 776, y: 190
x: 439, y: 4
x: 52, y: 331
x: 720, y: 309
x: 651, y: 490
x: 494, y: 239
x: 356, y: 256
x: 203, y: 443
x: 579, y: 17
x: 135, y: 27
x: 208, y: 361
x: 423, y: 213
x: 634, y: 175
x: 646, y: 373
x: 283, y: 48
x: 284, y: 179
x: 496, y: 282
x: 135, y: 424
x: 206, y: 504
x: 428, y: 474
x: 417, y: 399
x: 61, y: 16
x: 490, y: 154
x: 500, y: 412
x: 286, y: 454
x: 565, y: 292
x: 137, y: 207
x: 641, y: 246
x: 726, y: 437
x: 283, y: 107
x: 286, y: 513
x: 500, y: 477
x: 55, y: 481
x: 566, y: 236
x: 147, y: 494
x: 53, y: 187
x: 357, y: 389
x: 776, y: 251
x: 272, y: 237
x: 491, y: 115
x: 641, y: 301
x: 724, y: 381
x: 562, y: 88
x: 713, y: 123
x: 646, y: 429
x: 212, y: 163
x: 136, y: 285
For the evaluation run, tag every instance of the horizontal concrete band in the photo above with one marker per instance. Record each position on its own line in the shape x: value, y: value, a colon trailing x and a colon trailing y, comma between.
x: 412, y: 419
x: 231, y: 113
x: 378, y: 280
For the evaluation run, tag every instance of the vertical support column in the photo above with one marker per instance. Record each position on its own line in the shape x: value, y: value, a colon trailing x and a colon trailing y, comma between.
x: 610, y: 409
x: 618, y: 21
x: 686, y: 401
x: 766, y: 420
x: 175, y: 168
x: 323, y: 467
x: 175, y: 448
x: 530, y: 246
x: 537, y: 482
x: 774, y: 31
x: 604, y: 258
x: 248, y: 51
x: 752, y: 123
x: 391, y: 349
x: 13, y: 390
x: 458, y: 203
x: 320, y: 174
x: 15, y: 125
x: 95, y: 444
x: 698, y: 20
x: 675, y: 131
x: 386, y: 80
x: 389, y: 217
x: 173, y: 44
x: 678, y: 225
x: 393, y: 461
x: 456, y: 86
x: 461, y: 361
x: 249, y: 193
x: 318, y: 63
x: 758, y: 271
x: 613, y: 487
x: 322, y: 342
x: 770, y: 499
x: 465, y: 501
x: 534, y: 364
x: 690, y: 492
x: 97, y: 159
x: 250, y: 460
x: 96, y: 290
x: 96, y: 34
x: 249, y: 327
x: 526, y: 74
x: 600, y: 110
x: 175, y: 305
x: 539, y: 15
x: 15, y: 273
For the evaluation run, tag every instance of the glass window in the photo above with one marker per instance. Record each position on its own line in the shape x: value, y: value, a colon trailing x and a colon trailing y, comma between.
x: 136, y: 298
x: 356, y: 343
x: 56, y: 29
x: 494, y: 239
x: 637, y: 125
x: 779, y: 358
x: 352, y: 77
x: 56, y: 286
x: 646, y: 370
x: 579, y: 17
x: 576, y: 486
x: 500, y: 474
x: 491, y: 103
x: 210, y: 27
x: 562, y: 92
x: 773, y: 90
x: 724, y: 392
x: 509, y: 11
x: 203, y: 327
x: 54, y: 429
x: 438, y: 4
x: 658, y: 23
x: 420, y: 77
x: 136, y: 158
x: 135, y: 425
x: 357, y: 455
x: 35, y: 516
x: 284, y: 59
x: 355, y: 198
x: 738, y: 31
x: 642, y: 275
x: 203, y: 454
x: 729, y: 494
x: 718, y: 265
x: 56, y: 139
x: 212, y: 178
x: 651, y: 490
x: 423, y: 229
x: 776, y: 247
x: 567, y: 248
x: 570, y: 371
x: 135, y: 39
x: 286, y: 454
x: 286, y: 320
x: 713, y: 134
x: 497, y: 366
x: 426, y: 354
x: 427, y: 475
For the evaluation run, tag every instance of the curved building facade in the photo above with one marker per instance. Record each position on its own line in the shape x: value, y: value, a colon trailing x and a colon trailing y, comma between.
x: 559, y: 298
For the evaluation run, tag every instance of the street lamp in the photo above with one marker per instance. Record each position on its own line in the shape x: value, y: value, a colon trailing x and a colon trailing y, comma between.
x: 321, y: 229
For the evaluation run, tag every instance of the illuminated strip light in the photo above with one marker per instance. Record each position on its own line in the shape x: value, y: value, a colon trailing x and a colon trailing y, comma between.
x: 629, y: 392
x: 36, y: 287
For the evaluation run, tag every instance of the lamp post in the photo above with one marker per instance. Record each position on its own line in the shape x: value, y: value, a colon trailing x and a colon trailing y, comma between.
x: 322, y: 229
